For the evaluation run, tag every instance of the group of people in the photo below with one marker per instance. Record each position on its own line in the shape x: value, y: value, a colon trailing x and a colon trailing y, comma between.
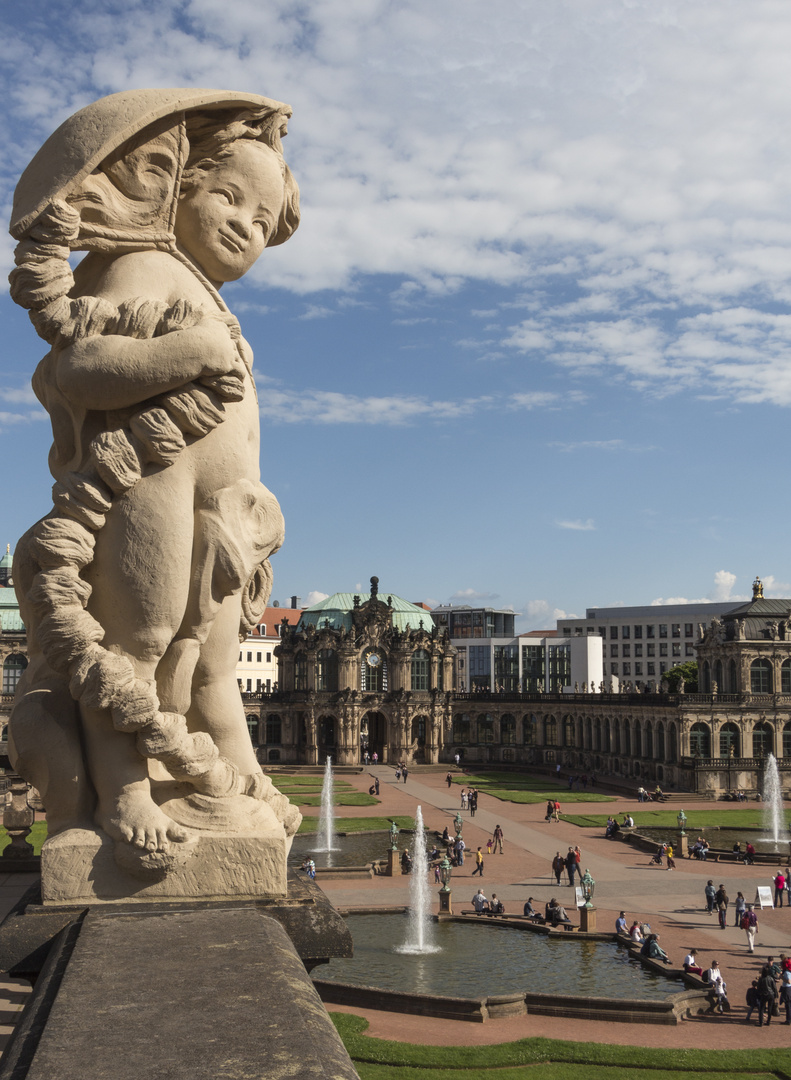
x: 568, y: 863
x: 771, y: 989
x: 553, y: 811
x: 657, y: 795
x: 401, y: 771
x: 581, y: 781
x: 487, y: 907
x: 469, y: 800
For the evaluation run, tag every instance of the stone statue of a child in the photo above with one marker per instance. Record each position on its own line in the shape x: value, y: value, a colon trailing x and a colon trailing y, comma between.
x: 154, y: 558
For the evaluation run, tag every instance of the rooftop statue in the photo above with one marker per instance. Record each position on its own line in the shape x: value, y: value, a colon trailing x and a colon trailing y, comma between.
x: 154, y: 558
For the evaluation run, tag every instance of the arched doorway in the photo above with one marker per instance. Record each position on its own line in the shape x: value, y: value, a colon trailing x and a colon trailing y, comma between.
x: 377, y: 735
x: 327, y: 731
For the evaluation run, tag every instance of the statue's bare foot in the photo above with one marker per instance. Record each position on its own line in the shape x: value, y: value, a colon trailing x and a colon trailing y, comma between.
x: 136, y: 819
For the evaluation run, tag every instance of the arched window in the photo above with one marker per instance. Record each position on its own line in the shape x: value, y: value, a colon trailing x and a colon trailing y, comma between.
x: 485, y: 729
x: 13, y: 667
x: 419, y: 730
x: 660, y: 741
x: 700, y: 740
x: 730, y: 743
x: 550, y: 731
x: 648, y: 741
x: 638, y: 740
x: 761, y: 677
x: 274, y: 730
x: 763, y: 740
x: 616, y: 736
x: 461, y: 728
x: 508, y: 730
x: 327, y: 731
x: 787, y: 740
x: 588, y: 734
x: 300, y: 672
x: 252, y: 727
x: 420, y: 669
x: 568, y: 731
x: 597, y: 735
x: 373, y: 672
x: 327, y: 670
x: 627, y: 738
x: 672, y: 750
x: 529, y: 728
x: 733, y: 685
x: 785, y: 677
x: 274, y: 755
x: 718, y: 676
x: 580, y: 732
x: 606, y: 744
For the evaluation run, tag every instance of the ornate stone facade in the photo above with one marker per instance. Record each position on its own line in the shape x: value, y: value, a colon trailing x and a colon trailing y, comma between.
x: 355, y: 676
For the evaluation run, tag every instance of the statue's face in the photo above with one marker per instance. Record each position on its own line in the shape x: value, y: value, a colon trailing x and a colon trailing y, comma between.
x: 225, y: 220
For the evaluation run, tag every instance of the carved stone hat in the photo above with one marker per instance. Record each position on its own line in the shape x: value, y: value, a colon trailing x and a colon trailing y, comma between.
x: 118, y: 162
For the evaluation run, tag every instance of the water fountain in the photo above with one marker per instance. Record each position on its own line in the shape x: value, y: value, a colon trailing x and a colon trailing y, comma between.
x: 773, y: 816
x: 419, y: 932
x: 326, y: 831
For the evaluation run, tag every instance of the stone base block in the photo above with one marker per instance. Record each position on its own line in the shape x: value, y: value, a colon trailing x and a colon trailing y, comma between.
x: 79, y: 866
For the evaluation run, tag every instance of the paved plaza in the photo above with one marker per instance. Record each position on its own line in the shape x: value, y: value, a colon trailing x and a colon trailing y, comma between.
x: 671, y: 901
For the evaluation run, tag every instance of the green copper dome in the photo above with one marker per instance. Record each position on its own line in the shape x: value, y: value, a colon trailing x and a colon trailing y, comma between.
x: 336, y: 612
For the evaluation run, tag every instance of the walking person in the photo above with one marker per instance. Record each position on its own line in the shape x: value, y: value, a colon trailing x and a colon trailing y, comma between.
x: 780, y: 888
x: 558, y: 866
x: 739, y: 904
x: 710, y: 893
x: 721, y: 903
x: 749, y: 924
x: 767, y: 995
x: 671, y: 863
x: 478, y: 863
x: 449, y: 780
x: 785, y: 995
x: 571, y: 866
x: 556, y: 811
x: 464, y: 798
x: 550, y: 811
x: 472, y: 801
x: 751, y: 997
x: 498, y: 838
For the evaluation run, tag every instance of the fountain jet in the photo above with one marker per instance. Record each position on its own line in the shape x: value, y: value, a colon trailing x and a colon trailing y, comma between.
x: 327, y: 812
x: 773, y: 816
x: 419, y: 932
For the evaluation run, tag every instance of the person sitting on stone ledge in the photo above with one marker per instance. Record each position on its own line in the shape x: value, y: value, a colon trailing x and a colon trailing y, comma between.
x: 556, y: 913
x: 531, y: 913
x: 635, y: 933
x: 691, y: 965
x: 652, y: 949
x: 496, y: 906
x: 479, y: 902
x: 406, y: 862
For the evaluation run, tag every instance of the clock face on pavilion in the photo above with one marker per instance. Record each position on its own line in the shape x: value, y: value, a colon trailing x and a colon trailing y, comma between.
x: 373, y: 660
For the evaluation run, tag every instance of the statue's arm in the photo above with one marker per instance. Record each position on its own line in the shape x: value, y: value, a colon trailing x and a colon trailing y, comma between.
x: 114, y: 372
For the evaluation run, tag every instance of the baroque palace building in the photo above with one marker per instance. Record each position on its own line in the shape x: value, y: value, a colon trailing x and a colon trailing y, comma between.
x: 407, y: 704
x: 359, y: 675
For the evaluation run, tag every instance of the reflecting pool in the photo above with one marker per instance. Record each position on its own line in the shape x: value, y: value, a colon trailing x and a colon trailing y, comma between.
x: 478, y: 961
x: 354, y: 850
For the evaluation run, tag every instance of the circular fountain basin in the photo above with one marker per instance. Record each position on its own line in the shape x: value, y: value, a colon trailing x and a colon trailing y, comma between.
x: 356, y: 849
x: 490, y: 959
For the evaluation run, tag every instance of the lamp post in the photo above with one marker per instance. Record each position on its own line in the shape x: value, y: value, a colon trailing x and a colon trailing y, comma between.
x: 683, y: 840
x: 588, y: 911
x: 445, y: 871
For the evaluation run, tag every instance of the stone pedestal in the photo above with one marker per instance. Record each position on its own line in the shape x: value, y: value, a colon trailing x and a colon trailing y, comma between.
x: 393, y: 864
x: 444, y: 902
x: 683, y: 846
x: 79, y: 866
x: 588, y: 919
x: 189, y: 994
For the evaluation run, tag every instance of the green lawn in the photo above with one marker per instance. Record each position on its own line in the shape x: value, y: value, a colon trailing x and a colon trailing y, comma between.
x: 358, y: 824
x: 352, y: 798
x: 520, y: 788
x: 697, y: 819
x: 38, y: 835
x: 550, y: 1059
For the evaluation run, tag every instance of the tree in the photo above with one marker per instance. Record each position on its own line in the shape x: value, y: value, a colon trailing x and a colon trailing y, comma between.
x: 688, y: 672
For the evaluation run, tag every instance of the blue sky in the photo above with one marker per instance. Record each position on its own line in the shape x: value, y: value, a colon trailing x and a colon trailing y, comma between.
x: 531, y: 345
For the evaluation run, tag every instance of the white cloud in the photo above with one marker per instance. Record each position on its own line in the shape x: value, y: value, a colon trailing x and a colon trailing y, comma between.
x: 473, y: 597
x: 313, y: 597
x: 578, y: 526
x: 720, y: 593
x: 330, y: 407
x: 541, y: 615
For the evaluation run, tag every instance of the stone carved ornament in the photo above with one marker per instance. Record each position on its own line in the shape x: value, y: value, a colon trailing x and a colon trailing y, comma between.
x: 154, y: 558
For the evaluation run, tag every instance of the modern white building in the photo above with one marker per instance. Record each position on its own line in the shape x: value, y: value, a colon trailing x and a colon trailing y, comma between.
x: 492, y: 658
x: 641, y: 643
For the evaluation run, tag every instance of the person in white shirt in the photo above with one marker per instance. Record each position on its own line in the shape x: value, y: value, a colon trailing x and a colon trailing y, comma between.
x: 715, y: 980
x: 479, y: 902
